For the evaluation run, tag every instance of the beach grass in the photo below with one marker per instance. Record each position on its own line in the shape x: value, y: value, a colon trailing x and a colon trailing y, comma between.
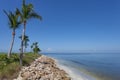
x: 10, y: 67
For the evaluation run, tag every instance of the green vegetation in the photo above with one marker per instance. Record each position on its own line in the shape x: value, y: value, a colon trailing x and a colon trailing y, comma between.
x: 10, y: 64
x: 9, y: 67
x: 35, y: 48
x: 21, y: 16
x: 25, y: 43
x: 26, y: 13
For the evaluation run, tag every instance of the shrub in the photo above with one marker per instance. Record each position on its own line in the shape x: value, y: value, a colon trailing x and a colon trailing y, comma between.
x: 9, y: 67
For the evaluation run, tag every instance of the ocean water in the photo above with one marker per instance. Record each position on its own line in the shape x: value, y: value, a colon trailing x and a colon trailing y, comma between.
x: 101, y: 66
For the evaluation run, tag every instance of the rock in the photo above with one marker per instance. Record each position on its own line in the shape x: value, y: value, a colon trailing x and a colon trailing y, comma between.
x: 43, y: 68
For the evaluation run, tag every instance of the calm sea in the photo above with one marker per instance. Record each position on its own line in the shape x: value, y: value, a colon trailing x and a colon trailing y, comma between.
x: 103, y: 66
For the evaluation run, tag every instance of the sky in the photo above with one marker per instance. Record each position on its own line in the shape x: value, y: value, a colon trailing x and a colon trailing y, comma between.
x: 67, y: 26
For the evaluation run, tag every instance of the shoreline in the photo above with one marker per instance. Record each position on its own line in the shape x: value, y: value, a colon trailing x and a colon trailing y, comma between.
x: 43, y: 68
x: 74, y: 73
x: 48, y: 68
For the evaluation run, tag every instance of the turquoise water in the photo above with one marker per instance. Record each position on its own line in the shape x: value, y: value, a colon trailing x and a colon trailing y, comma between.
x: 105, y: 66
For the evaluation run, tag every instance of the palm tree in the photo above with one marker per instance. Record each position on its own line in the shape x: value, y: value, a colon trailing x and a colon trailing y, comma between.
x: 35, y: 48
x: 14, y: 24
x: 26, y: 13
x: 25, y: 43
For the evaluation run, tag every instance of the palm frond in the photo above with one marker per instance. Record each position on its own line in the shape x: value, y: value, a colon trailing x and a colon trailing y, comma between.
x: 32, y: 46
x: 30, y: 6
x: 9, y: 17
x: 34, y: 15
x: 13, y: 20
x: 28, y: 13
x: 18, y: 12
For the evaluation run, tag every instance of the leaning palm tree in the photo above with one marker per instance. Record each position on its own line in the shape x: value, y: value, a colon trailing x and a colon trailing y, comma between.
x: 14, y: 24
x: 26, y: 13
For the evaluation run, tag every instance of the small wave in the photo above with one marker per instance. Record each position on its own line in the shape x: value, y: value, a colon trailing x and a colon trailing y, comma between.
x: 73, y: 72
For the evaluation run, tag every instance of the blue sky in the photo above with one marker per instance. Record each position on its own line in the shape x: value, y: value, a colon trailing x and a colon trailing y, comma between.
x: 67, y: 26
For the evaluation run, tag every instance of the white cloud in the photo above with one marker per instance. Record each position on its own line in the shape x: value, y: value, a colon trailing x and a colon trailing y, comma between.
x: 49, y: 49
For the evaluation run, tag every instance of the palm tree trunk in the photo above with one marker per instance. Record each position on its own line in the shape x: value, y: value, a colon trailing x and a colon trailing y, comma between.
x: 23, y: 35
x: 24, y: 49
x: 12, y: 42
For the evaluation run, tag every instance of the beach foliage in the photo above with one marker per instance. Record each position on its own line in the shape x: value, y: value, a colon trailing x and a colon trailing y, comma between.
x: 35, y: 47
x: 9, y: 67
x: 25, y: 43
x: 10, y: 64
x: 26, y: 12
